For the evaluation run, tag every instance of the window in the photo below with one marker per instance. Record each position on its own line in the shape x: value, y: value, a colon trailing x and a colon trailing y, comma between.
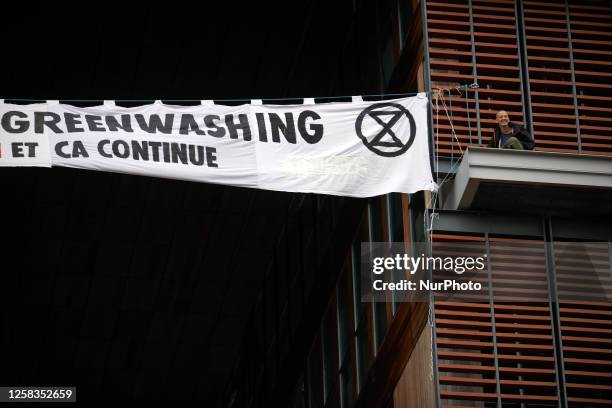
x: 330, y: 352
x: 363, y: 339
x: 345, y: 336
x: 377, y: 223
x: 315, y: 375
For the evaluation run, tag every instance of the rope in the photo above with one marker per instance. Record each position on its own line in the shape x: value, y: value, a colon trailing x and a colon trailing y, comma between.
x: 221, y: 100
x: 450, y: 121
x: 378, y: 95
x: 438, y: 98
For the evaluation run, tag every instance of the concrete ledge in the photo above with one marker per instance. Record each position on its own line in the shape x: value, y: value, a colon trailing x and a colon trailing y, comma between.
x: 515, y: 167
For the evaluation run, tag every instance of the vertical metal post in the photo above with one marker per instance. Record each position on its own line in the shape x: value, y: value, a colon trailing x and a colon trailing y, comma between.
x: 475, y: 72
x: 521, y: 41
x: 453, y: 134
x: 340, y: 334
x: 467, y: 109
x: 277, y: 309
x: 301, y: 243
x: 315, y: 227
x: 391, y: 239
x: 493, y: 327
x: 434, y: 353
x: 573, y: 73
x: 371, y: 238
x: 427, y: 80
x: 554, y: 311
x: 452, y: 146
x: 432, y: 313
x: 355, y: 275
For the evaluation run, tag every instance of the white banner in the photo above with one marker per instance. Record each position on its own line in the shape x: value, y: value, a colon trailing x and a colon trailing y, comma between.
x: 358, y: 149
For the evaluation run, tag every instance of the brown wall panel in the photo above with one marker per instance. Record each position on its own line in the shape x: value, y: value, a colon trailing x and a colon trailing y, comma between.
x: 415, y: 388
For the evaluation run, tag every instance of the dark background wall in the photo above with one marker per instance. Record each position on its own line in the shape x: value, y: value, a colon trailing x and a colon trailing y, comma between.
x: 140, y: 289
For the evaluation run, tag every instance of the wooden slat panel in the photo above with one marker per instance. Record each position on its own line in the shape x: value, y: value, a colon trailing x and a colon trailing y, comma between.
x: 524, y: 332
x: 591, y: 35
x: 464, y: 332
x: 550, y: 73
x: 586, y: 326
x: 451, y: 64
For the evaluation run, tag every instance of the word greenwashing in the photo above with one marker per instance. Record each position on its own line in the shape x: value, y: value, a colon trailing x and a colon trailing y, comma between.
x: 358, y: 149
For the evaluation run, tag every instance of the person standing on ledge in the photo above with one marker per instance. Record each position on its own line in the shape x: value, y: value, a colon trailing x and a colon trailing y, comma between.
x: 510, y: 136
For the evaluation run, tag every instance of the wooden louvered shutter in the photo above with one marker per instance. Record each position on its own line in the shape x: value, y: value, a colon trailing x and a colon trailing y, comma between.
x: 493, y: 62
x: 584, y: 278
x: 591, y: 31
x: 509, y: 341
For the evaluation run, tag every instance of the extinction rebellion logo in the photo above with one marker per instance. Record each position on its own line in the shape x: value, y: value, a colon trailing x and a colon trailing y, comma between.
x: 374, y: 126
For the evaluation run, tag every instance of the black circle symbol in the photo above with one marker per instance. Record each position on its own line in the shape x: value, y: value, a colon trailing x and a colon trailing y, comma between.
x: 386, y: 138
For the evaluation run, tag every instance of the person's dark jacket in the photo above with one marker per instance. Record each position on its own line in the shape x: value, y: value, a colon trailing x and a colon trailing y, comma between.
x: 519, y: 132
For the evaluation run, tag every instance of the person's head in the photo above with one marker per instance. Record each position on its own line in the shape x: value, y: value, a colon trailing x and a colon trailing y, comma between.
x: 502, y: 118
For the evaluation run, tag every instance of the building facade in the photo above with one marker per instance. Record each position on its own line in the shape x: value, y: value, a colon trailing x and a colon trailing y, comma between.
x: 538, y: 339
